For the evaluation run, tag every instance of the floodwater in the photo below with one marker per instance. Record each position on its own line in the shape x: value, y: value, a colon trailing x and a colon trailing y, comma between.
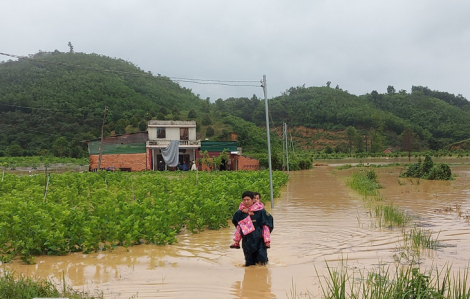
x: 318, y: 221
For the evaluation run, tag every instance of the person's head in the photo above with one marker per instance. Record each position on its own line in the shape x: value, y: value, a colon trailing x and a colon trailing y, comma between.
x: 247, y: 199
x: 256, y: 197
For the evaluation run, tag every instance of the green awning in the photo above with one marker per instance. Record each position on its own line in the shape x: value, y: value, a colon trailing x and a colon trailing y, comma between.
x: 130, y: 148
x: 219, y: 146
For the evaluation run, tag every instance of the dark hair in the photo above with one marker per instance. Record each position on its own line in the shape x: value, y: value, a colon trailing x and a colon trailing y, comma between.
x: 249, y: 194
x: 256, y: 193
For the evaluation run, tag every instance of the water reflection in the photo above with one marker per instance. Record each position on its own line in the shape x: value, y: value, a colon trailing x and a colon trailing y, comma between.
x: 256, y: 284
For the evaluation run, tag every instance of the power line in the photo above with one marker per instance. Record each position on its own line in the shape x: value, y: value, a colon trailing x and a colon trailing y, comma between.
x: 39, y: 108
x: 176, y: 79
x: 236, y: 81
x: 37, y: 131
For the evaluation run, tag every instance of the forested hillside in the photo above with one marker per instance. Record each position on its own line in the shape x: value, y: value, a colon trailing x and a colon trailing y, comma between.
x: 54, y: 94
x: 434, y: 118
x: 51, y: 101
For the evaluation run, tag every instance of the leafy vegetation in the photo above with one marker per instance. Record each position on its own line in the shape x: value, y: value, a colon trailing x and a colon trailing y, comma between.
x: 85, y: 212
x: 428, y: 170
x: 409, y: 282
x: 51, y: 101
x: 365, y: 184
x: 20, y: 287
x: 36, y: 161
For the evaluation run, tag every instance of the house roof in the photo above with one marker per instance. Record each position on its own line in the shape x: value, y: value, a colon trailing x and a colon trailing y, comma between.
x: 123, y: 138
x: 172, y: 123
x: 218, y: 146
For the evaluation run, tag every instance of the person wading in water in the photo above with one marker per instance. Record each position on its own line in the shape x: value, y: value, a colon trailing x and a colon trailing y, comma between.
x: 251, y: 227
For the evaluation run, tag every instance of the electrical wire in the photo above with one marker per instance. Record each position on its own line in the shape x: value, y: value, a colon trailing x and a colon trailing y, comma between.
x: 39, y: 108
x: 175, y: 79
x: 42, y: 132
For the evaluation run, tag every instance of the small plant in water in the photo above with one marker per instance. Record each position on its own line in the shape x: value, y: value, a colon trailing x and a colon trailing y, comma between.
x: 420, y: 238
x: 390, y: 216
x: 408, y: 282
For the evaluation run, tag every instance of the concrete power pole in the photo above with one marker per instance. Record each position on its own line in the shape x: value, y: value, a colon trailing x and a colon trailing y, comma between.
x: 269, y: 140
x: 287, y: 147
x: 102, y: 137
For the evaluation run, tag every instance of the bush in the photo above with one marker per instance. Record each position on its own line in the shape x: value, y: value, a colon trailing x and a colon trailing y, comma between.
x: 428, y: 170
x: 440, y: 172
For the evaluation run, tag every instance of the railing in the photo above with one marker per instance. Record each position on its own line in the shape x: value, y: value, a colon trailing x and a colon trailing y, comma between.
x: 167, y: 142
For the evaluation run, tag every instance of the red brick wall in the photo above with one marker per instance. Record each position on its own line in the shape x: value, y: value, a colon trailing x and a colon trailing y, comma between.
x: 246, y: 163
x: 136, y: 162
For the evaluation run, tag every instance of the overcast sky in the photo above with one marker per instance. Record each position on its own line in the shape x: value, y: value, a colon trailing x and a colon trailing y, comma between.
x: 361, y: 45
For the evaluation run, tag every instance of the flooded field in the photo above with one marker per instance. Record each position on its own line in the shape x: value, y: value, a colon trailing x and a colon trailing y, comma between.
x: 318, y: 220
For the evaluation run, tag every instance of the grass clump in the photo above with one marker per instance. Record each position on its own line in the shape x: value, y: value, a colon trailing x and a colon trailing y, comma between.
x: 345, y: 166
x: 405, y: 282
x: 390, y: 216
x: 26, y: 288
x: 365, y: 183
x: 421, y: 238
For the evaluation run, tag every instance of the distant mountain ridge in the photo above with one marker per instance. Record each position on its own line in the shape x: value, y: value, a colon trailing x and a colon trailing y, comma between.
x: 52, y: 101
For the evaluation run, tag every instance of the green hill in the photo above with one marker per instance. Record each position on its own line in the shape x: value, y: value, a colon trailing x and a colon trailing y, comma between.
x: 51, y: 101
x: 435, y: 118
x: 53, y: 94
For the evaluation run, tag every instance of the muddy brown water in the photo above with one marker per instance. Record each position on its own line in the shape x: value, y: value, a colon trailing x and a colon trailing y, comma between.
x: 318, y: 220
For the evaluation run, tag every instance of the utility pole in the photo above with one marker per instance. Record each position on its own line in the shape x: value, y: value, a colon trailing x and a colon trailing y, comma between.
x: 263, y: 84
x: 102, y: 137
x: 284, y: 145
x: 287, y: 148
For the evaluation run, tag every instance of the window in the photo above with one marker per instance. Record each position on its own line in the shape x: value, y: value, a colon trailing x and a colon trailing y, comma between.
x: 161, y: 133
x: 184, y: 133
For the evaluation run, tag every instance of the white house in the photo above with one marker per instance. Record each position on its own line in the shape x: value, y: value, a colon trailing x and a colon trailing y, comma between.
x: 162, y: 132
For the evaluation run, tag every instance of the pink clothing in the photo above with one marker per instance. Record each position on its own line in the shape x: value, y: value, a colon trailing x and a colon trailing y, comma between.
x: 266, y: 233
x: 255, y: 207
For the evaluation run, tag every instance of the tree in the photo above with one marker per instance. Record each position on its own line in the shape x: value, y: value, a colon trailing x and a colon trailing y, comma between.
x: 351, y: 133
x: 192, y: 114
x: 160, y: 116
x: 163, y: 110
x: 71, y: 47
x: 209, y: 131
x: 391, y: 90
x: 374, y: 94
x: 218, y: 161
x: 377, y: 137
x: 206, y: 105
x: 120, y: 126
x: 206, y: 120
x: 176, y: 113
x: 408, y: 141
x: 220, y: 104
x: 134, y: 122
x: 206, y: 160
x: 14, y: 150
x: 328, y: 150
x: 142, y: 126
x: 60, y: 147
x: 148, y: 116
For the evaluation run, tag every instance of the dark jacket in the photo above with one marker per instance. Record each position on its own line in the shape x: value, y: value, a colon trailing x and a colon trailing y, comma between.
x: 253, y: 243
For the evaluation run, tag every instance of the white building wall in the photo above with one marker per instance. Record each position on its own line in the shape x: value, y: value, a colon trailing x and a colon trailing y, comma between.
x: 152, y: 133
x: 192, y: 134
x: 172, y: 129
x: 173, y: 133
